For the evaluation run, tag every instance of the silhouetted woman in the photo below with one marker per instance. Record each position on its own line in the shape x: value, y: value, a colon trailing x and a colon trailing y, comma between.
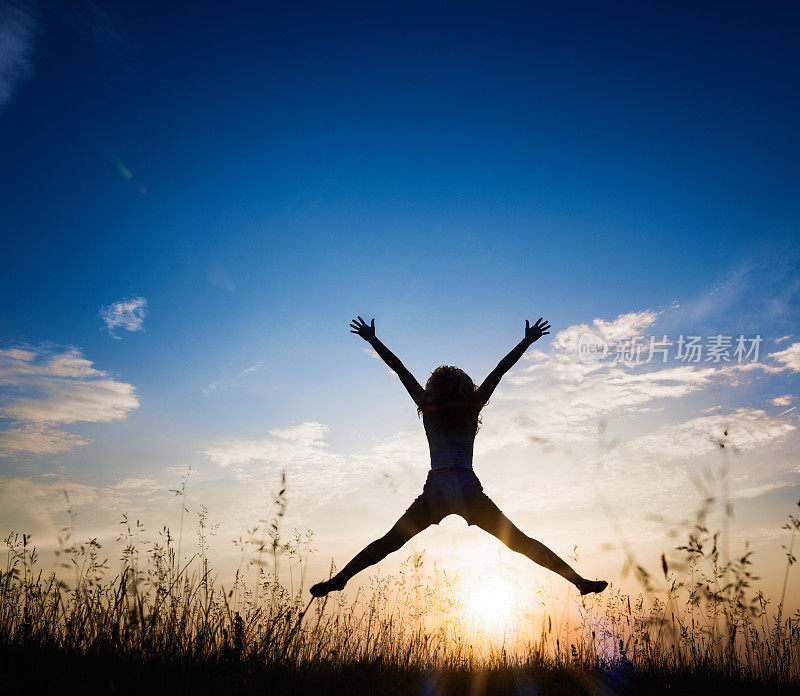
x: 450, y: 406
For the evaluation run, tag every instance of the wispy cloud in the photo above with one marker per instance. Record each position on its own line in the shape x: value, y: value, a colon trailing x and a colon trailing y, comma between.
x: 237, y: 379
x: 38, y: 439
x: 300, y: 450
x: 377, y: 357
x: 784, y: 400
x: 96, y: 26
x: 732, y: 295
x: 18, y: 31
x: 44, y: 389
x: 127, y: 314
x: 554, y: 397
x: 742, y: 429
x: 319, y: 474
x: 302, y: 443
x: 557, y: 396
x: 789, y: 358
x: 37, y: 503
x: 757, y: 491
x: 371, y: 353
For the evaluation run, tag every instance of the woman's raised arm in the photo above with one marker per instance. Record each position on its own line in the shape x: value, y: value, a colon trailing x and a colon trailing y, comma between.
x: 532, y: 333
x: 367, y: 332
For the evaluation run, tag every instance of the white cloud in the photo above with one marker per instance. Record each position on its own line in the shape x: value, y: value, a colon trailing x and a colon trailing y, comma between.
x: 371, y: 353
x: 33, y: 505
x: 38, y: 440
x: 127, y: 314
x: 37, y: 505
x: 44, y: 389
x: 743, y: 429
x: 302, y: 443
x: 138, y: 485
x: 784, y: 400
x: 377, y: 357
x: 299, y: 450
x: 624, y: 326
x: 317, y: 473
x: 789, y: 358
x: 18, y: 30
x: 252, y: 368
x: 70, y: 400
x: 553, y: 396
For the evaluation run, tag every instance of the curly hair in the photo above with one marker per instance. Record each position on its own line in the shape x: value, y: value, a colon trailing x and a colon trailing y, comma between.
x: 449, y: 405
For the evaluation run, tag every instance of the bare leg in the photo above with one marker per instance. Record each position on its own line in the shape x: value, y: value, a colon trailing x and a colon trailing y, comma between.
x: 406, y: 527
x: 492, y: 520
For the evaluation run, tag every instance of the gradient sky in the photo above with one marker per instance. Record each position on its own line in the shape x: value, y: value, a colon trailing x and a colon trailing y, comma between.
x: 196, y: 198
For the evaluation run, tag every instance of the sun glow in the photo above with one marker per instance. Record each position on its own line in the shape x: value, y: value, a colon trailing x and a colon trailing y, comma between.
x: 493, y: 601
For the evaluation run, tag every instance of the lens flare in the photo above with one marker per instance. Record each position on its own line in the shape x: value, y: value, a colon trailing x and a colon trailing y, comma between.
x: 126, y: 173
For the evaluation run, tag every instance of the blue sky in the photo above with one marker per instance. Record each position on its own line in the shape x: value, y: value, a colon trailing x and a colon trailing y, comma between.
x: 261, y: 174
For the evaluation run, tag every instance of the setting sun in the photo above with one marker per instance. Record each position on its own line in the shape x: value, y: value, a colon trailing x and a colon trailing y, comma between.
x: 492, y: 601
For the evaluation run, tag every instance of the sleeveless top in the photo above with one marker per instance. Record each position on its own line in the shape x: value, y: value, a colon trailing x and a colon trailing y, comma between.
x: 449, y: 449
x: 453, y: 449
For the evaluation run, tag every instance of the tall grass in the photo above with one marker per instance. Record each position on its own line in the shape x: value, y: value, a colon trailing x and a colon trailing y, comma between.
x: 699, y: 618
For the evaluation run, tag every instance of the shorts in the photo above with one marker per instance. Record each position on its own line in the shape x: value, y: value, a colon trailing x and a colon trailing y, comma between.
x: 454, y: 491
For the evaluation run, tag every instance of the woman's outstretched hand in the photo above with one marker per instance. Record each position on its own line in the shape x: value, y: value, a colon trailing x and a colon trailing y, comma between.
x: 535, y: 332
x: 360, y: 327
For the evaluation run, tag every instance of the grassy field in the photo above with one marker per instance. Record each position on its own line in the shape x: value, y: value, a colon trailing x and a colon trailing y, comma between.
x: 700, y: 626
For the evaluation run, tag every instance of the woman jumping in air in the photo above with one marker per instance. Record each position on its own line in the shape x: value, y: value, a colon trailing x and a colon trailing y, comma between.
x: 450, y: 406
